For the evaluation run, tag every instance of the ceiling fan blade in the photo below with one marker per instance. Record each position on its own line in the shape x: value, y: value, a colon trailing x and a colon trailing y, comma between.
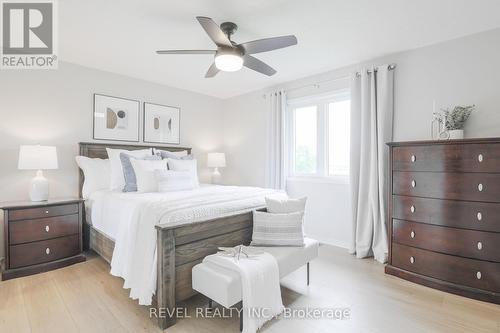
x: 212, y: 71
x: 214, y: 31
x: 269, y: 44
x: 186, y: 52
x: 258, y: 66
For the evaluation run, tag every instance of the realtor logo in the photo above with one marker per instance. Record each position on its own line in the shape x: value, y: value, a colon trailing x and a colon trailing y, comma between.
x: 28, y: 35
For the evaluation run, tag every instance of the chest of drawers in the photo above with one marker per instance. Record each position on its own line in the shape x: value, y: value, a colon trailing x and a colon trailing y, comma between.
x: 41, y: 236
x: 444, y: 215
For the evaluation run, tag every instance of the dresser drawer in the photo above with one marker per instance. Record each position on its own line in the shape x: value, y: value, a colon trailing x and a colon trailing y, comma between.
x: 451, y: 213
x: 465, y: 243
x: 448, y: 157
x: 454, y: 186
x: 23, y: 231
x: 463, y: 271
x: 49, y: 211
x: 43, y: 251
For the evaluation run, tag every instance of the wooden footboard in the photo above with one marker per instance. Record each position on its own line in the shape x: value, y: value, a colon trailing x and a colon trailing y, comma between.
x: 179, y: 248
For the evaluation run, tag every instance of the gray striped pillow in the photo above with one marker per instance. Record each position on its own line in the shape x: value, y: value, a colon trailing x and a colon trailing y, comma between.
x: 277, y: 229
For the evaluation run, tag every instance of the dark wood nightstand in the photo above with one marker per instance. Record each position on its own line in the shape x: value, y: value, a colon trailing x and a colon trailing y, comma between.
x: 41, y: 236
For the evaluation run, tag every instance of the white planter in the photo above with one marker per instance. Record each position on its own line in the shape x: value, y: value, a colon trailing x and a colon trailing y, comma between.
x: 456, y: 134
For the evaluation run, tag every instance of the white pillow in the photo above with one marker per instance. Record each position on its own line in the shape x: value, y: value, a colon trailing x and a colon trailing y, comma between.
x: 169, y: 180
x: 117, y: 179
x: 181, y: 153
x: 277, y: 229
x: 96, y: 172
x: 185, y: 165
x: 277, y: 205
x: 145, y: 174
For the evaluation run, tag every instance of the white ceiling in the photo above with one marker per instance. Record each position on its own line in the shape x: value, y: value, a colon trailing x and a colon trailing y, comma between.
x: 121, y: 36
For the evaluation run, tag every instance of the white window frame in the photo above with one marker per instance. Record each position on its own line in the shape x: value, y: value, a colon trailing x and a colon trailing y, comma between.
x: 322, y: 154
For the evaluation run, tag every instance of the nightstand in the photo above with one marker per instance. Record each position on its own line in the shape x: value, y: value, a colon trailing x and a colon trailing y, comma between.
x: 41, y: 236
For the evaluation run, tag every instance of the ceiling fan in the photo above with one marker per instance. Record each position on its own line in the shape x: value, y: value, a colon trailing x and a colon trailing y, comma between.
x: 230, y: 56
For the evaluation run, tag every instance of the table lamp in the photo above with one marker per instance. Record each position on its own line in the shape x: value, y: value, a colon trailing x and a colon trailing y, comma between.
x: 216, y: 161
x: 36, y: 157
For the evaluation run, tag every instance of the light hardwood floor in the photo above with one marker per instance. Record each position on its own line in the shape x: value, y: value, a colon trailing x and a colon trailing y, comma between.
x: 86, y: 298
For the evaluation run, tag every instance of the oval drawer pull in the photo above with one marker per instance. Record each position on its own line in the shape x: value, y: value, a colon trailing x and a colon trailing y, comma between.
x: 480, y: 158
x: 47, y: 228
x: 479, y: 275
x: 479, y: 216
x: 413, y: 183
x: 479, y: 246
x: 412, y: 209
x: 413, y: 158
x: 480, y: 187
x: 412, y: 260
x: 412, y: 234
x: 47, y: 251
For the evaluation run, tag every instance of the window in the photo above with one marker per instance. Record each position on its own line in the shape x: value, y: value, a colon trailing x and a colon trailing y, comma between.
x: 318, y: 131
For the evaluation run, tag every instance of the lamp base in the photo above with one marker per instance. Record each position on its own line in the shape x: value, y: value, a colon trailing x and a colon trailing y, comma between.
x: 39, y: 187
x: 216, y: 177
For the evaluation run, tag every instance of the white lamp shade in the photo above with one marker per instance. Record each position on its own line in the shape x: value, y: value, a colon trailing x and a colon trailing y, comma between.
x: 36, y: 157
x: 216, y: 160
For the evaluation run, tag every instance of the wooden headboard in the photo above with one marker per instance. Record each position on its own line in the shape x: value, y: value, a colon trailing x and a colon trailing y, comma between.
x: 98, y: 150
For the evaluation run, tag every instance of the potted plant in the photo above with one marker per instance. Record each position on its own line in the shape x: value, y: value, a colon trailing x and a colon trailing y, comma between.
x: 455, y: 120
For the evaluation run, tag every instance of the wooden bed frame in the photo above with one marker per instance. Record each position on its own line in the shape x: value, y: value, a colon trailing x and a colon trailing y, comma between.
x: 179, y: 247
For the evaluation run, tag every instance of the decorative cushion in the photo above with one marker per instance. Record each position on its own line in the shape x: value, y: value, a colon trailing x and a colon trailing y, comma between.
x: 128, y: 171
x: 169, y: 180
x: 117, y: 181
x: 145, y: 174
x: 168, y: 154
x: 185, y: 165
x: 96, y: 172
x: 285, y: 205
x: 277, y: 229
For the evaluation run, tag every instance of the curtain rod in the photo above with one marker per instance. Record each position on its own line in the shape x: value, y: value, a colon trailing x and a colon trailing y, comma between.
x: 317, y: 84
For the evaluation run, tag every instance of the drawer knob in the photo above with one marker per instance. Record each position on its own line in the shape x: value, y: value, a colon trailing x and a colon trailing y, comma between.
x: 413, y: 183
x: 412, y: 209
x: 413, y: 158
x: 412, y: 234
x: 47, y: 251
x: 479, y: 275
x: 480, y: 158
x: 479, y: 216
x: 47, y: 228
x: 412, y: 260
x: 46, y: 212
x: 479, y: 246
x: 480, y: 187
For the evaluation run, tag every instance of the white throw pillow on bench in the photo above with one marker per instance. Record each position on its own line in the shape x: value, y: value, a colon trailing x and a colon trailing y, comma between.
x: 277, y: 229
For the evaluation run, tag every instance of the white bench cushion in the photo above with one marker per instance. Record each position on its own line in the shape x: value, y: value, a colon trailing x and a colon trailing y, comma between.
x: 224, y: 286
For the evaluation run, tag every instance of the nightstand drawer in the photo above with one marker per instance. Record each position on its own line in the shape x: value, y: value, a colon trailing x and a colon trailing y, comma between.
x: 49, y: 211
x: 43, y: 251
x: 24, y: 231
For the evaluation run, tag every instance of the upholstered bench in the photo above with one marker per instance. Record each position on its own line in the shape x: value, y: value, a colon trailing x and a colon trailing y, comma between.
x: 224, y: 286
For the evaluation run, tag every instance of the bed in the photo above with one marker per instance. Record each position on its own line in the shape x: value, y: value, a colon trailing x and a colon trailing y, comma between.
x: 179, y: 246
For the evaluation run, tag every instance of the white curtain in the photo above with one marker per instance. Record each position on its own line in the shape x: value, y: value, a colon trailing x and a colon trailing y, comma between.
x: 372, y: 108
x: 275, y: 168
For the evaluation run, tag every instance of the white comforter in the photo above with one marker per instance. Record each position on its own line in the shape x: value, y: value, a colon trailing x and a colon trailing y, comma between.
x: 134, y: 256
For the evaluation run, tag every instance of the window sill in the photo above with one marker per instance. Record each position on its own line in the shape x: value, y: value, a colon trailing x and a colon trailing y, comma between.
x: 344, y: 180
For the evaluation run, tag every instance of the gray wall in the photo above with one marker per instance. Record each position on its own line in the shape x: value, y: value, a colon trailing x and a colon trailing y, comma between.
x: 54, y: 107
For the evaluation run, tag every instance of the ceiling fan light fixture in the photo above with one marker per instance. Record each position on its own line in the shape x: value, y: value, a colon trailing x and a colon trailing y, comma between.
x: 228, y: 62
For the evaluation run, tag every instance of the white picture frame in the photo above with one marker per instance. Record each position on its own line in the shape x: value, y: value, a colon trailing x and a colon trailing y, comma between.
x: 161, y: 123
x: 116, y: 118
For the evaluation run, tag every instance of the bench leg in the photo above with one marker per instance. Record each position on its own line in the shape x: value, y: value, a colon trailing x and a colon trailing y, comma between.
x: 241, y: 321
x: 307, y: 273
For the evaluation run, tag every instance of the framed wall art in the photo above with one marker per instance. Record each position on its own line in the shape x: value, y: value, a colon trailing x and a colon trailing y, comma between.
x: 116, y: 118
x: 161, y: 123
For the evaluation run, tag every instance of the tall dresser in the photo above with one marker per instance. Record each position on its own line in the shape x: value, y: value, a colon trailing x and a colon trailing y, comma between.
x: 444, y: 215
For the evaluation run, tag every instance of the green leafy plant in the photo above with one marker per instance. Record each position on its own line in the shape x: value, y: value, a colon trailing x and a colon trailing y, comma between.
x: 456, y: 118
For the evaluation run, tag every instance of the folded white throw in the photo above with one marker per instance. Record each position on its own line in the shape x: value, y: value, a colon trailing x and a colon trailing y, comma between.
x: 260, y: 285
